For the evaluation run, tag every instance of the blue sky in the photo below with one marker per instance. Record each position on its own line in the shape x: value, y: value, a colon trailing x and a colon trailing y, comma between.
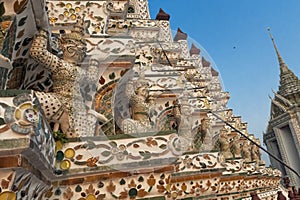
x: 234, y: 33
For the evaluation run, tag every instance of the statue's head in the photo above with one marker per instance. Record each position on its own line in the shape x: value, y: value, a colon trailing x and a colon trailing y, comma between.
x: 73, y: 44
x: 143, y: 90
x: 205, y: 122
x: 142, y: 86
x: 223, y: 132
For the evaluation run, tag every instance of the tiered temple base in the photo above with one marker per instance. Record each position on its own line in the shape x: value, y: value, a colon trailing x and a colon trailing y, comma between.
x: 137, y: 166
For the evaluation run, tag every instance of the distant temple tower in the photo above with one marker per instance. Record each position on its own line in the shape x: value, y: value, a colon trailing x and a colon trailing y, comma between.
x: 283, y: 132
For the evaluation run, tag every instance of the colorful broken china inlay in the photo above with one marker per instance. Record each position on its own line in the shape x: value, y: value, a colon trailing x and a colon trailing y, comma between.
x: 110, y: 113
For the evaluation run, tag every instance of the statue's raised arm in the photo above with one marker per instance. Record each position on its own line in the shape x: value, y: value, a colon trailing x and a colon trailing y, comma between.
x: 69, y: 80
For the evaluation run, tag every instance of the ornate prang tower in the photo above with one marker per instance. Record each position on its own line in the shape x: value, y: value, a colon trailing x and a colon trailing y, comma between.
x: 283, y: 132
x: 108, y: 105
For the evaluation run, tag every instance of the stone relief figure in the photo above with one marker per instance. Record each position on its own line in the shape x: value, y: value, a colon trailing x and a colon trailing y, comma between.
x: 139, y: 105
x: 224, y: 144
x: 74, y: 84
x: 256, y: 154
x: 204, y: 128
x: 236, y: 147
x: 185, y: 133
x: 206, y: 137
x: 202, y: 137
x: 140, y: 102
x: 246, y: 151
x: 182, y: 123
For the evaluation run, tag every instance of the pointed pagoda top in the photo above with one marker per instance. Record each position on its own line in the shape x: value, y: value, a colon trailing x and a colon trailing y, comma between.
x: 180, y: 35
x: 194, y: 50
x: 289, y: 83
x: 162, y: 15
x: 283, y: 66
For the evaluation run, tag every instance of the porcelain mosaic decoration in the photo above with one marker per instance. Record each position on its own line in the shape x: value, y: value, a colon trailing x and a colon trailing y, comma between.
x: 100, y: 102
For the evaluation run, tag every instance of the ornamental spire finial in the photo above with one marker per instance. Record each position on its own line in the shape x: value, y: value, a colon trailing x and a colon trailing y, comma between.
x: 280, y: 60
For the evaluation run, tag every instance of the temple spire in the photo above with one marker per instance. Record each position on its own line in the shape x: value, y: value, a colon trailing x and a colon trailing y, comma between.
x: 283, y: 66
x: 289, y: 83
